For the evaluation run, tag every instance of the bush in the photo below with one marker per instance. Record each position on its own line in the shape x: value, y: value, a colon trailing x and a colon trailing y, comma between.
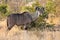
x: 50, y: 6
x: 3, y: 11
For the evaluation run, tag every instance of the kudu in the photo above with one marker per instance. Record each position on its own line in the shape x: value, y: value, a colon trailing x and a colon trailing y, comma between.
x: 23, y: 18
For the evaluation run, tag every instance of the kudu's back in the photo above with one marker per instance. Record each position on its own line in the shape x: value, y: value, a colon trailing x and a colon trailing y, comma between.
x: 18, y: 19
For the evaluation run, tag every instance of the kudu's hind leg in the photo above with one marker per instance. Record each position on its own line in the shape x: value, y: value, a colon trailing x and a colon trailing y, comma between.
x: 9, y: 25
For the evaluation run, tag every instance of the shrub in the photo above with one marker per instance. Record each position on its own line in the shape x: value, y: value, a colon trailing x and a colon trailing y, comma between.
x: 3, y: 11
x: 50, y: 6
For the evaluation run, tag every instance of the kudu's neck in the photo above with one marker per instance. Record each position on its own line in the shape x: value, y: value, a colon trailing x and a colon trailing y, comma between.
x: 35, y: 15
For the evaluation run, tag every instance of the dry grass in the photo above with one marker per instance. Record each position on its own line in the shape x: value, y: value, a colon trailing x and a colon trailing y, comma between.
x: 18, y: 34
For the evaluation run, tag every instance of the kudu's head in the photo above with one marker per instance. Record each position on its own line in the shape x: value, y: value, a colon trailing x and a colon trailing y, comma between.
x: 39, y: 10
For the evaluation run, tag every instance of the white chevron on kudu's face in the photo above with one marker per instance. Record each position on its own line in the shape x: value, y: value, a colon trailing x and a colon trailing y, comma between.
x: 38, y: 13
